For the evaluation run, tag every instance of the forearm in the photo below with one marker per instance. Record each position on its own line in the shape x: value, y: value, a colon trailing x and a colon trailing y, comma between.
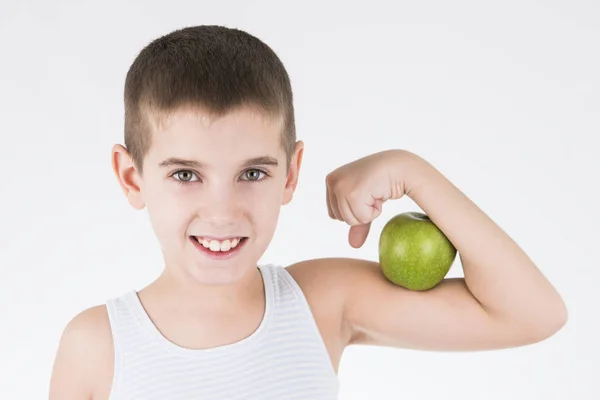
x: 497, y: 271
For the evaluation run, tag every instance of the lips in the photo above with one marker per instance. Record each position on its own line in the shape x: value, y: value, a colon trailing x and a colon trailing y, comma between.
x: 221, y: 246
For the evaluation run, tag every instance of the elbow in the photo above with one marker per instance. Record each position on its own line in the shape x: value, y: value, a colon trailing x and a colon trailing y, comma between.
x: 559, y: 318
x: 549, y: 322
x: 537, y: 328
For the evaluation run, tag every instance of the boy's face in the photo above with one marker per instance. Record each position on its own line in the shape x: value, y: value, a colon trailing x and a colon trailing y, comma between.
x: 216, y: 182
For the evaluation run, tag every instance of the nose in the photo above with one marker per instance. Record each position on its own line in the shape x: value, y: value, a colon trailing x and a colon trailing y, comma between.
x: 221, y: 206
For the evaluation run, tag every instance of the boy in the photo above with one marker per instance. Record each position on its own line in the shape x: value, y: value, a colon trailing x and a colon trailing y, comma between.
x: 211, y: 152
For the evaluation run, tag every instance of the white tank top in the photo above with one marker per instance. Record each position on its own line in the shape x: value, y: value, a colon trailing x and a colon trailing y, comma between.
x: 285, y: 358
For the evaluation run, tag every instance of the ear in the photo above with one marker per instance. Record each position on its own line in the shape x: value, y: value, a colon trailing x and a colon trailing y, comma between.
x: 293, y: 174
x: 127, y: 175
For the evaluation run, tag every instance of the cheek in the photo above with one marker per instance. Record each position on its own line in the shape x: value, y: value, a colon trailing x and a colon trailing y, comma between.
x: 264, y: 206
x: 168, y: 211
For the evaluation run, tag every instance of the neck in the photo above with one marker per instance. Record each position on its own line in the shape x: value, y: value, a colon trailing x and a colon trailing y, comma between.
x: 185, y: 291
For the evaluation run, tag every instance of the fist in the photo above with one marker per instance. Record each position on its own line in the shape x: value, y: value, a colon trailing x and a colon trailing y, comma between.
x: 356, y: 191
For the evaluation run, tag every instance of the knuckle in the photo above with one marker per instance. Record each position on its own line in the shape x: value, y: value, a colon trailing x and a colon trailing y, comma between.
x: 354, y: 195
x: 362, y: 219
x: 329, y: 178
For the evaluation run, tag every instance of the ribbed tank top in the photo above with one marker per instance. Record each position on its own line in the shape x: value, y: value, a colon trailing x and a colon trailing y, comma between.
x: 284, y: 358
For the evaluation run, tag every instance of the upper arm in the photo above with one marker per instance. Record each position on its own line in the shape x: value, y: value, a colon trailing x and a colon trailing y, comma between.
x: 445, y: 318
x: 83, y: 348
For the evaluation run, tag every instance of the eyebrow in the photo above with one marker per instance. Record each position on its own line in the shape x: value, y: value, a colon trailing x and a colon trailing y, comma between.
x: 174, y: 161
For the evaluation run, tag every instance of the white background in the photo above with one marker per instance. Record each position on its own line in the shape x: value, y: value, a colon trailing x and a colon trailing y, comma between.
x: 502, y: 97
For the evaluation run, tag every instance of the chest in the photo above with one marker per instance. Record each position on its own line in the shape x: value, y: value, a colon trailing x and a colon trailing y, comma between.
x: 301, y: 346
x: 257, y: 374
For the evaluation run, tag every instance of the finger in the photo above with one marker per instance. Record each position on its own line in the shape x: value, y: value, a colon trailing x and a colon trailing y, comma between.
x: 329, y: 203
x: 335, y: 207
x: 332, y: 203
x: 377, y: 207
x: 347, y: 214
x: 358, y: 235
x: 360, y: 212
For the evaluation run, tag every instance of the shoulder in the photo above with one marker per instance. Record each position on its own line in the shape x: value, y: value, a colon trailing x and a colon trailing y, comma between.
x: 332, y: 275
x: 337, y: 279
x: 327, y: 283
x: 88, y: 330
x: 91, y: 321
x: 319, y: 277
x: 84, y: 355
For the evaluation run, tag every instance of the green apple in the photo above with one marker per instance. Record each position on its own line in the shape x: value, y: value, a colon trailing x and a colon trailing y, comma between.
x: 413, y: 252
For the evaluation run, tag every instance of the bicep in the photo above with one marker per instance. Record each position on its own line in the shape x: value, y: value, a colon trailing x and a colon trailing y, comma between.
x: 445, y: 318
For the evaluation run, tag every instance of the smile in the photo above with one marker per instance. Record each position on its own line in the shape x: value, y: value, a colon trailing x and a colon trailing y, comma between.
x: 219, y: 248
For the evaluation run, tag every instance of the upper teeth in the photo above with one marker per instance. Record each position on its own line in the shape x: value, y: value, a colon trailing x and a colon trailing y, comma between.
x: 217, y: 245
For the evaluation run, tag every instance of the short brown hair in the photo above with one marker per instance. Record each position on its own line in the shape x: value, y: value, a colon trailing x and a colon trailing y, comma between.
x: 215, y: 68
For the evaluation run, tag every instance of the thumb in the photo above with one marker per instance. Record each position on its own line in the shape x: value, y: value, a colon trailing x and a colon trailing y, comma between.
x: 358, y: 234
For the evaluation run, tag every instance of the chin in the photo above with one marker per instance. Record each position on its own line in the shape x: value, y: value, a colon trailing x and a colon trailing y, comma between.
x: 206, y: 271
x: 218, y: 273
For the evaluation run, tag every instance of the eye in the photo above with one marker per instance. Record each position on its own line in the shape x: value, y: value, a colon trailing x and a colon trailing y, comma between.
x: 253, y: 175
x: 185, y: 176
